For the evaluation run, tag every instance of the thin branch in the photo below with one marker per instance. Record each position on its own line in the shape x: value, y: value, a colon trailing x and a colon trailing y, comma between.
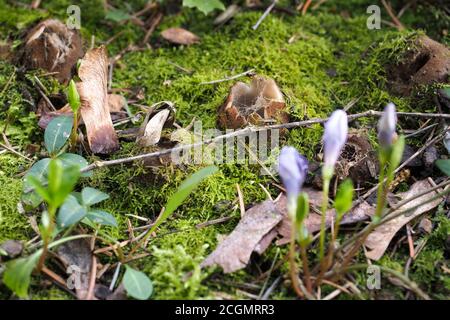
x: 265, y: 14
x: 230, y: 78
x: 252, y: 129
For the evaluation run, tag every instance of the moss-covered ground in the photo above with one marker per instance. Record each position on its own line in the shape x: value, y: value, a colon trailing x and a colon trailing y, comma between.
x: 332, y: 58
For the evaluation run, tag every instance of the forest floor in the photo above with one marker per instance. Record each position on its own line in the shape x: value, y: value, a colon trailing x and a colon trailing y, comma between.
x: 321, y: 61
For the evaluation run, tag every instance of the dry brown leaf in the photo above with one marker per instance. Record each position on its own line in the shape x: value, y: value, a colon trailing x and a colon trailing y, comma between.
x: 52, y: 46
x: 361, y: 212
x: 378, y: 241
x: 93, y: 71
x: 234, y: 252
x: 180, y: 36
x: 257, y: 104
x: 116, y: 102
x: 153, y: 129
x: 76, y: 256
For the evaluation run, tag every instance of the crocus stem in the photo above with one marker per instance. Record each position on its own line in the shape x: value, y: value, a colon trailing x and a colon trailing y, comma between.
x: 381, y: 192
x: 326, y: 190
x: 292, y: 265
x: 307, y: 274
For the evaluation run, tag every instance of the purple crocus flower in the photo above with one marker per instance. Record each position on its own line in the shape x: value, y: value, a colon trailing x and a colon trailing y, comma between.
x: 334, y: 138
x: 293, y: 169
x: 386, y: 126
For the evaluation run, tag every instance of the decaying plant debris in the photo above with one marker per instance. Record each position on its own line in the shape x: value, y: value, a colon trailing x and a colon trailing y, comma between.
x: 258, y: 104
x: 317, y: 70
x: 93, y: 71
x: 53, y: 47
x: 427, y: 62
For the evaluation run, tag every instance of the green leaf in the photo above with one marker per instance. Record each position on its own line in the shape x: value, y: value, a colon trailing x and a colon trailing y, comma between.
x: 39, y: 171
x: 117, y: 15
x: 61, y: 181
x: 39, y: 188
x: 302, y: 208
x: 92, y: 196
x: 18, y: 273
x: 397, y: 152
x: 73, y: 97
x: 203, y: 5
x: 102, y: 217
x: 72, y: 159
x: 57, y: 133
x: 137, y: 284
x: 70, y: 212
x: 444, y: 166
x: 344, y: 198
x: 183, y: 191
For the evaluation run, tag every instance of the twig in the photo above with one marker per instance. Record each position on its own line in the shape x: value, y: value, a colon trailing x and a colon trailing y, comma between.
x: 251, y: 129
x: 155, y: 22
x: 115, y: 276
x: 230, y: 78
x: 391, y: 13
x: 14, y: 151
x: 261, y: 293
x: 265, y: 14
x: 241, y: 200
x: 306, y: 6
x: 90, y: 293
x: 213, y: 222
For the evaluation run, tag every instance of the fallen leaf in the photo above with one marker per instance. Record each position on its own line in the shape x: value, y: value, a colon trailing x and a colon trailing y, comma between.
x: 116, y: 103
x: 180, y: 36
x: 153, y: 129
x: 361, y: 212
x: 378, y: 241
x: 234, y: 252
x: 53, y: 47
x: 257, y: 104
x: 94, y: 110
x: 77, y: 259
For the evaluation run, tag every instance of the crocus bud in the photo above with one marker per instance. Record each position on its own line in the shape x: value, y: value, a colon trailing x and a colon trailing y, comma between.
x: 386, y: 126
x: 293, y: 169
x: 334, y: 138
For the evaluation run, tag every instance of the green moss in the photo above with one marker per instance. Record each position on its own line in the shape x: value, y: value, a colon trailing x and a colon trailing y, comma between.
x: 12, y: 224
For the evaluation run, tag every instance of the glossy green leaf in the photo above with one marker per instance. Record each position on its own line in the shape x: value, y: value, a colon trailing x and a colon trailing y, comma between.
x: 102, y: 217
x: 39, y: 171
x: 344, y: 198
x: 204, y: 6
x: 70, y: 212
x: 73, y: 97
x: 92, y: 196
x: 61, y: 181
x: 18, y: 273
x: 137, y: 284
x: 57, y: 133
x: 73, y: 159
x: 183, y: 191
x: 444, y: 166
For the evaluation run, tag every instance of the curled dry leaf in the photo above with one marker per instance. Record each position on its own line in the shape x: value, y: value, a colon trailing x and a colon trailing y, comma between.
x: 180, y: 36
x: 378, y: 241
x: 153, y: 129
x: 234, y: 252
x: 425, y: 63
x: 94, y: 110
x: 77, y: 257
x: 361, y: 212
x: 53, y: 47
x: 257, y: 104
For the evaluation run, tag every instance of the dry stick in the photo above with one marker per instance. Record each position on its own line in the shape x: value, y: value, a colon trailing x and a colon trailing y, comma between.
x: 241, y: 200
x: 156, y: 21
x: 306, y: 6
x: 229, y: 78
x: 247, y: 130
x: 14, y: 151
x: 265, y: 14
x: 394, y: 18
